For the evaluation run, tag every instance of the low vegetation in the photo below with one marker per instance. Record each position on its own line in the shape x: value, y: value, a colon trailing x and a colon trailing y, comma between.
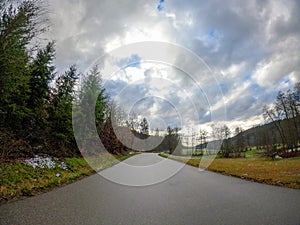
x: 19, y: 179
x: 281, y: 172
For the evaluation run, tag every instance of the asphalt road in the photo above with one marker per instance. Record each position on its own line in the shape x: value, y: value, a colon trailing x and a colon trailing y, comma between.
x: 189, y: 197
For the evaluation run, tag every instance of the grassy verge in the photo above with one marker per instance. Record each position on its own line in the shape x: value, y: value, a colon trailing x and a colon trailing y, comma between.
x: 284, y: 172
x: 19, y: 180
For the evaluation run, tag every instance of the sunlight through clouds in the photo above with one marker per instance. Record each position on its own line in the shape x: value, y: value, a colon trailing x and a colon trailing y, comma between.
x: 252, y: 47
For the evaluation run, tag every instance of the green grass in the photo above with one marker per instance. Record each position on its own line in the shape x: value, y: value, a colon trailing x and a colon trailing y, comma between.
x: 163, y: 155
x: 284, y: 172
x: 18, y: 179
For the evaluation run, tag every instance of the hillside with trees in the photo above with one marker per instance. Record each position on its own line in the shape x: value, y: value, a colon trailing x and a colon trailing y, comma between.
x: 280, y: 135
x: 35, y: 100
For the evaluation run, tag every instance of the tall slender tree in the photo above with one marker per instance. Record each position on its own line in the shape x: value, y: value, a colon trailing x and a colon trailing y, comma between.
x: 42, y: 74
x: 18, y: 26
x: 60, y: 109
x: 144, y: 126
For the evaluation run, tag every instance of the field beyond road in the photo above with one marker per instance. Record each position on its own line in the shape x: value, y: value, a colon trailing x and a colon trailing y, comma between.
x: 280, y: 172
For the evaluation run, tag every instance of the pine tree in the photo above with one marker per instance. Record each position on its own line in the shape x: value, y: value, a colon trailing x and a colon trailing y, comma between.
x: 17, y: 29
x: 42, y: 74
x: 60, y: 109
x: 92, y: 103
x: 144, y: 127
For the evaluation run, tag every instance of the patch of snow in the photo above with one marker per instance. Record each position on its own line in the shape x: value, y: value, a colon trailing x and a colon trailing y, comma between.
x: 45, y: 162
x: 63, y: 166
x: 41, y: 162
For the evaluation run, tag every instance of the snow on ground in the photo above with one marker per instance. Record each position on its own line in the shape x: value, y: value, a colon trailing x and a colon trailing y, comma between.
x: 45, y: 162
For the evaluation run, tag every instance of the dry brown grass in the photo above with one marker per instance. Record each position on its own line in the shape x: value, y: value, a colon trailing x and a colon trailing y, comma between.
x: 284, y: 172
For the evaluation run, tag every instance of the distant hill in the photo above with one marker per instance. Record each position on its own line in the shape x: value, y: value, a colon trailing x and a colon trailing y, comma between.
x: 261, y: 135
x: 268, y: 134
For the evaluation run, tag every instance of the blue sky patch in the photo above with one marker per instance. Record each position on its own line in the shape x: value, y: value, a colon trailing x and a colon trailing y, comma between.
x: 212, y: 33
x: 160, y: 6
x: 133, y: 61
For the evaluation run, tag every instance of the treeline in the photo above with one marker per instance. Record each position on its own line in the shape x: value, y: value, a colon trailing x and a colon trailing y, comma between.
x: 32, y: 112
x: 229, y: 147
x: 279, y: 136
x: 36, y: 102
x: 169, y: 142
x: 39, y: 106
x: 284, y: 113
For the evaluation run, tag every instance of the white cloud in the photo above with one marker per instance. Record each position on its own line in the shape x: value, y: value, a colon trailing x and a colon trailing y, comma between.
x: 252, y: 47
x: 234, y: 70
x: 281, y: 65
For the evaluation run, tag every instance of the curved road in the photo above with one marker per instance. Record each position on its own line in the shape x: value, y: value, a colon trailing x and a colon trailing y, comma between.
x: 189, y: 197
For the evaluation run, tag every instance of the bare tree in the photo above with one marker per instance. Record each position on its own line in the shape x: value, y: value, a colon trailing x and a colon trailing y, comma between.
x: 202, y: 138
x: 203, y: 135
x: 284, y: 113
x: 222, y: 133
x: 226, y: 147
x: 156, y: 132
x: 273, y: 115
x: 239, y: 144
x: 172, y: 138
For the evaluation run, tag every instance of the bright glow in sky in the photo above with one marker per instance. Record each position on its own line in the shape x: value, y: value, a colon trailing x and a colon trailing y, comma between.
x: 252, y: 48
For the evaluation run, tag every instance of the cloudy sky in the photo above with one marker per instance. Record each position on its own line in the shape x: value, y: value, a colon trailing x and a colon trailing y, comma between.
x: 183, y: 63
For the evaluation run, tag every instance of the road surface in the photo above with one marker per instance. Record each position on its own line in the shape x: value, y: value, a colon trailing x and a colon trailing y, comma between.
x: 189, y: 197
